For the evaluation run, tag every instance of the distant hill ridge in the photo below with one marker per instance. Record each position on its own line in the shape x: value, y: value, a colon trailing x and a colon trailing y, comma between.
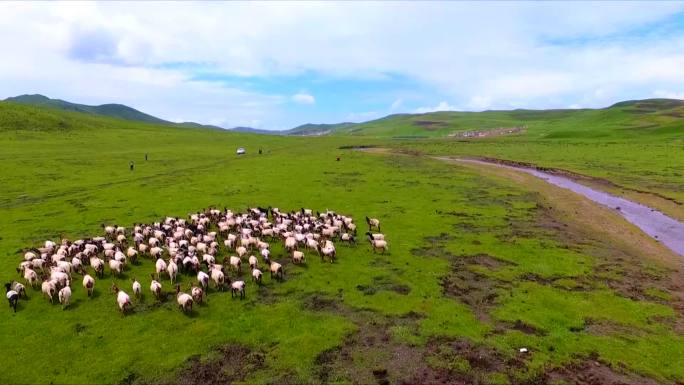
x: 119, y: 111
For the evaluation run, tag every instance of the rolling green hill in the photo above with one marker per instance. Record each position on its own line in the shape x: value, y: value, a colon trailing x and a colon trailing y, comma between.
x: 118, y: 111
x: 625, y: 119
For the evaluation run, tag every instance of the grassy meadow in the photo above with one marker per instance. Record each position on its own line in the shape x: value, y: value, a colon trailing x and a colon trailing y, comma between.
x: 480, y: 265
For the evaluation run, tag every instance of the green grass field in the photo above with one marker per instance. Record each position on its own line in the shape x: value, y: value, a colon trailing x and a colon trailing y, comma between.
x: 479, y: 265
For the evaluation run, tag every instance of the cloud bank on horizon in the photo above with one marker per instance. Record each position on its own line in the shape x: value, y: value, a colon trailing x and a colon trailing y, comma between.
x: 277, y: 65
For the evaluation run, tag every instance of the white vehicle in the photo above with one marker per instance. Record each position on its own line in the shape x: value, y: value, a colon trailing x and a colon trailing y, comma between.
x: 241, y: 151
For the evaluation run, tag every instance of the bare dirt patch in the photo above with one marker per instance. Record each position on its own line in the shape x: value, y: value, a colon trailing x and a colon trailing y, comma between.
x: 594, y: 372
x: 232, y: 364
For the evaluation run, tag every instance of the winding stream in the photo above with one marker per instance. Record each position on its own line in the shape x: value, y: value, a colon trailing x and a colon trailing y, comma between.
x: 667, y: 230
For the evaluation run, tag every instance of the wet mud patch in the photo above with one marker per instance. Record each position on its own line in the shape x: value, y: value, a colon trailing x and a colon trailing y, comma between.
x: 232, y: 363
x: 383, y: 283
x: 593, y: 371
x: 475, y: 289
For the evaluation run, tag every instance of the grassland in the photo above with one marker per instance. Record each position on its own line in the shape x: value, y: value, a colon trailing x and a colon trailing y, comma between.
x: 480, y: 265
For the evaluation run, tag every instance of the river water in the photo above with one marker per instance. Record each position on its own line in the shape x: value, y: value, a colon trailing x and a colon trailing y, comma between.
x: 665, y: 229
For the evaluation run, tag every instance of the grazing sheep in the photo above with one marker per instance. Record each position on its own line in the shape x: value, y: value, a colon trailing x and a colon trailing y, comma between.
x: 265, y: 253
x: 241, y: 251
x: 373, y: 223
x: 327, y: 251
x: 253, y: 262
x: 156, y: 288
x: 89, y: 284
x: 277, y: 270
x: 379, y: 244
x: 64, y: 296
x: 137, y: 288
x: 49, y: 289
x: 203, y: 279
x: 297, y: 257
x: 30, y: 276
x: 122, y: 299
x: 132, y: 254
x: 160, y: 266
x: 184, y: 300
x: 19, y: 288
x: 236, y: 263
x: 172, y: 269
x: 12, y: 297
x: 98, y: 265
x: 218, y: 277
x: 256, y: 275
x: 116, y: 267
x: 237, y: 287
x: 197, y: 293
x: 348, y: 238
x: 376, y: 236
x: 290, y: 243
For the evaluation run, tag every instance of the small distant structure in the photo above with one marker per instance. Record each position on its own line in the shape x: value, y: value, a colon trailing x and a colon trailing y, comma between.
x: 241, y: 151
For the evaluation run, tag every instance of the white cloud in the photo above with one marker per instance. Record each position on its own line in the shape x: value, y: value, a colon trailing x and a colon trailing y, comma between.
x: 303, y: 98
x: 668, y: 94
x: 442, y: 106
x: 490, y: 55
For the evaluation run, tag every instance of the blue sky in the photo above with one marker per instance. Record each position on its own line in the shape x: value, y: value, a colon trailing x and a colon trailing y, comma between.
x: 277, y: 65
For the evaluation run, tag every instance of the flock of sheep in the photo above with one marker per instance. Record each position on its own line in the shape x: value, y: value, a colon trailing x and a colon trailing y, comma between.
x: 190, y: 247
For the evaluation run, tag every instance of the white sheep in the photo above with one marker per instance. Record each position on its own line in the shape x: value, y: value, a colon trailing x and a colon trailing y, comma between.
x: 160, y: 266
x: 203, y: 279
x: 236, y: 263
x: 64, y: 296
x: 256, y: 275
x: 253, y: 262
x: 184, y: 300
x: 297, y: 257
x: 137, y: 288
x: 49, y: 289
x: 156, y: 288
x: 237, y: 287
x: 88, y: 284
x: 116, y: 267
x: 197, y: 293
x: 277, y: 270
x: 122, y: 299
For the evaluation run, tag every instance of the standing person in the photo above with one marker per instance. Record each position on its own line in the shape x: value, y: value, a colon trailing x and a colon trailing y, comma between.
x: 145, y: 156
x: 131, y: 165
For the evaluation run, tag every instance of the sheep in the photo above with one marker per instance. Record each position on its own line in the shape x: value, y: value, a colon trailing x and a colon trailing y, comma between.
x: 30, y: 276
x: 19, y: 288
x: 290, y: 244
x: 253, y: 262
x: 12, y: 296
x: 277, y: 270
x: 137, y: 288
x: 203, y: 279
x: 116, y: 267
x: 376, y: 236
x: 156, y: 288
x: 184, y: 300
x: 122, y: 299
x: 64, y: 296
x: 373, y: 223
x: 241, y: 251
x: 237, y: 287
x: 88, y: 284
x: 30, y: 255
x: 265, y: 254
x: 311, y: 244
x: 49, y: 289
x: 172, y: 269
x: 60, y: 278
x: 256, y: 276
x: 348, y: 238
x: 297, y: 257
x: 132, y: 253
x: 327, y: 251
x: 160, y: 266
x: 76, y: 264
x: 379, y: 244
x: 98, y: 266
x: 197, y: 293
x: 236, y: 263
x: 208, y: 259
x: 218, y: 277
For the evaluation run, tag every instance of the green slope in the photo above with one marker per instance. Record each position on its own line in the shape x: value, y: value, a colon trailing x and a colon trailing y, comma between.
x: 625, y: 119
x: 118, y: 111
